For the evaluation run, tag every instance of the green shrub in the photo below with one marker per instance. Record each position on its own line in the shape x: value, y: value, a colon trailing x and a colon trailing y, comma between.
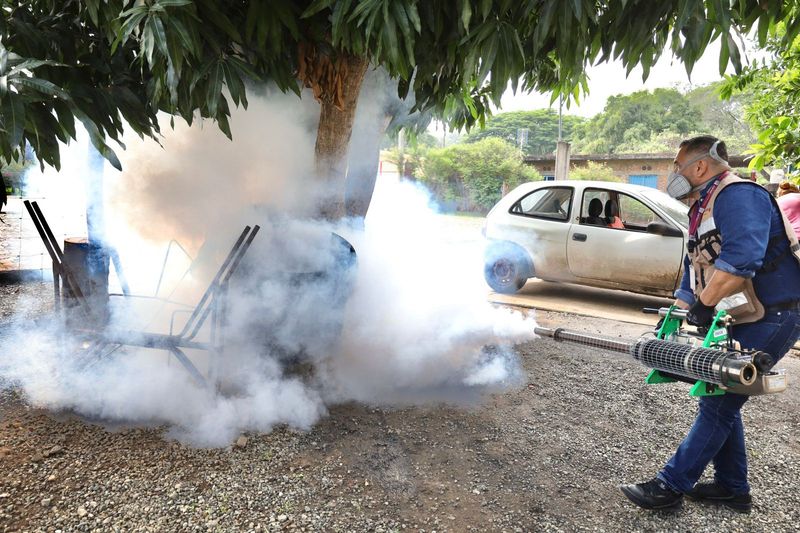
x: 594, y: 172
x: 473, y: 177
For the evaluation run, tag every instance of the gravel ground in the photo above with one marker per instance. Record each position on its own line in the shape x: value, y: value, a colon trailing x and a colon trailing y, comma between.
x: 546, y: 457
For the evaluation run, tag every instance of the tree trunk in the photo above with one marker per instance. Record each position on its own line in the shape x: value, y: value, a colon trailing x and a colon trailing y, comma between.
x: 333, y: 139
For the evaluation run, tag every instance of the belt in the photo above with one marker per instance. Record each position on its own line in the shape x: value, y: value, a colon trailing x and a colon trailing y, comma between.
x: 792, y: 305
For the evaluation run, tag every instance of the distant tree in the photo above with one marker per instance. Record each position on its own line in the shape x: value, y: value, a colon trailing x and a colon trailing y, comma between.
x: 474, y: 176
x: 541, y: 128
x: 724, y: 117
x: 640, y: 115
x: 772, y: 91
x: 594, y: 172
x: 668, y: 142
x: 410, y: 159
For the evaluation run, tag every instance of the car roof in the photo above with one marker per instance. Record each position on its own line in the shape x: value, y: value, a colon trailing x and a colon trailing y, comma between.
x: 629, y: 187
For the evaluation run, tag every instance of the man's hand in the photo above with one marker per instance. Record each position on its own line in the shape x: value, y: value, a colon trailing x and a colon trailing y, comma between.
x: 700, y: 314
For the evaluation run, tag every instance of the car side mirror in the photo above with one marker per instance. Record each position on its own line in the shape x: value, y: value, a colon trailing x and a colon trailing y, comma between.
x: 665, y: 230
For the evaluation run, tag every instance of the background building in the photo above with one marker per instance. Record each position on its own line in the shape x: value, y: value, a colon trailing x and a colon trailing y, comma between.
x: 650, y: 170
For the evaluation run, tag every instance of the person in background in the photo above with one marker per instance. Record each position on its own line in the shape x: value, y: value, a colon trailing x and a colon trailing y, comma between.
x: 789, y: 202
x: 787, y: 187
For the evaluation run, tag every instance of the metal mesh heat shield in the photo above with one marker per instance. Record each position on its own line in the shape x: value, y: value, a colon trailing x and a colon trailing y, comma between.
x: 719, y: 367
x: 709, y: 365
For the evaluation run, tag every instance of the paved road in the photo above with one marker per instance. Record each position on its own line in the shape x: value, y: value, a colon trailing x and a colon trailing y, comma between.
x: 602, y: 303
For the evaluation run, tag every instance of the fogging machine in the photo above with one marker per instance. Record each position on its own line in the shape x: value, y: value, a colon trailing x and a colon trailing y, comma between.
x: 714, y: 363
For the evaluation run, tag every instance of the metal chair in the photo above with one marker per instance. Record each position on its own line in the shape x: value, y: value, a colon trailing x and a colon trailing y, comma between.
x: 211, y: 305
x: 62, y: 275
x: 101, y: 341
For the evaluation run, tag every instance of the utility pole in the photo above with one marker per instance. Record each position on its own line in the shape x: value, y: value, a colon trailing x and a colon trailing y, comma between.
x: 562, y: 148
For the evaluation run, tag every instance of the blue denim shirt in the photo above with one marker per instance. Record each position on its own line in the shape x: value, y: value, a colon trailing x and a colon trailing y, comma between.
x: 747, y: 219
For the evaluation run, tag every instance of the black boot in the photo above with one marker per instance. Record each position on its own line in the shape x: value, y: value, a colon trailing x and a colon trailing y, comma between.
x: 715, y: 493
x: 653, y: 494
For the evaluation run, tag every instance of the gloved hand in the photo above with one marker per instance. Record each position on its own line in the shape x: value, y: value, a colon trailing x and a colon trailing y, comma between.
x: 700, y: 314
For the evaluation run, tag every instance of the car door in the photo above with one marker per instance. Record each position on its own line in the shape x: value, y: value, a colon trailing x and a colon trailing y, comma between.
x: 624, y: 255
x: 539, y: 221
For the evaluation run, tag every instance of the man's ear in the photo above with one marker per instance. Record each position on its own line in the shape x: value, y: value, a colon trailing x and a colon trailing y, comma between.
x: 703, y: 168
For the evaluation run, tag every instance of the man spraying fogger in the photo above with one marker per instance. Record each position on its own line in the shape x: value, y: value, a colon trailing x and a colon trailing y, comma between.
x: 742, y: 256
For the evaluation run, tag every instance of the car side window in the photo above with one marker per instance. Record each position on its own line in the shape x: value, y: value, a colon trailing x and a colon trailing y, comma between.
x: 636, y: 215
x: 593, y: 206
x: 549, y: 202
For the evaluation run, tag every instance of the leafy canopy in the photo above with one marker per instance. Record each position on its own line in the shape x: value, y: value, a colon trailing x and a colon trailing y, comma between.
x: 657, y: 121
x: 535, y: 132
x: 772, y: 90
x: 635, y: 116
x: 115, y: 62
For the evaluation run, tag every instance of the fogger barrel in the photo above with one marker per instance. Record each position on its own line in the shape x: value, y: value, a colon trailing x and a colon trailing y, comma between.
x: 705, y: 364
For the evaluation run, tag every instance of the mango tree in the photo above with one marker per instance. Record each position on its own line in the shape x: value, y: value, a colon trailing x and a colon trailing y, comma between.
x: 114, y: 62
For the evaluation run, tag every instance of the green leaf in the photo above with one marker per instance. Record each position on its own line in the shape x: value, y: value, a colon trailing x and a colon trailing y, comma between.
x: 413, y: 16
x: 734, y: 52
x: 316, y: 7
x: 724, y: 55
x: 159, y: 34
x: 405, y: 28
x: 41, y: 86
x: 487, y: 59
x: 466, y: 14
x: 65, y: 118
x: 97, y: 139
x: 234, y: 84
x: 577, y: 8
x: 173, y: 3
x: 32, y: 64
x: 486, y: 8
x: 128, y: 27
x: 92, y: 7
x: 214, y: 89
x: 219, y: 19
x: 184, y: 35
x: 13, y: 119
x: 224, y: 125
x: 148, y: 44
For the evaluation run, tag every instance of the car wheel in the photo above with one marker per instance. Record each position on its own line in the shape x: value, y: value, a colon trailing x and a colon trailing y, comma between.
x: 504, y: 275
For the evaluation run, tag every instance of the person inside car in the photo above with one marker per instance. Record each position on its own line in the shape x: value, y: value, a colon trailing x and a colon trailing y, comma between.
x: 612, y: 215
x: 595, y: 213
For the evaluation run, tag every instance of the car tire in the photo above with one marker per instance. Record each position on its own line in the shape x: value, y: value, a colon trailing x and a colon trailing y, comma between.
x: 506, y: 269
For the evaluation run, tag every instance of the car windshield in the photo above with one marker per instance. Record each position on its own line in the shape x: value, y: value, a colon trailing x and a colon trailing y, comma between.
x: 678, y: 211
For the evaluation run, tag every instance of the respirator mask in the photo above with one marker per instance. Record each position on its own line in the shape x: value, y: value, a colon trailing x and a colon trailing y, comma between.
x: 678, y: 185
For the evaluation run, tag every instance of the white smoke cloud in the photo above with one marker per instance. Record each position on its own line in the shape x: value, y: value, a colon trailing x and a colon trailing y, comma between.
x: 409, y: 324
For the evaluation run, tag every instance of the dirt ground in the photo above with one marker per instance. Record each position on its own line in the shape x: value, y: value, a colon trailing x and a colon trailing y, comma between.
x: 548, y: 456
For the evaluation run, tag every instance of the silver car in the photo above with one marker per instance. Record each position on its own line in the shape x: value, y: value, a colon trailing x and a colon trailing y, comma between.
x: 603, y: 234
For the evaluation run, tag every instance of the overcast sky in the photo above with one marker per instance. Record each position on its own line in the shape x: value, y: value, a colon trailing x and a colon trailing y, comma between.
x: 609, y: 79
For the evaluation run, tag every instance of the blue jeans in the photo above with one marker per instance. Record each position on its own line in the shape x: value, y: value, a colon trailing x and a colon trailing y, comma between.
x: 717, y: 433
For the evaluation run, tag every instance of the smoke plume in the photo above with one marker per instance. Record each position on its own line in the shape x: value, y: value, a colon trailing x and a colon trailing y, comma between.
x: 308, y: 324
